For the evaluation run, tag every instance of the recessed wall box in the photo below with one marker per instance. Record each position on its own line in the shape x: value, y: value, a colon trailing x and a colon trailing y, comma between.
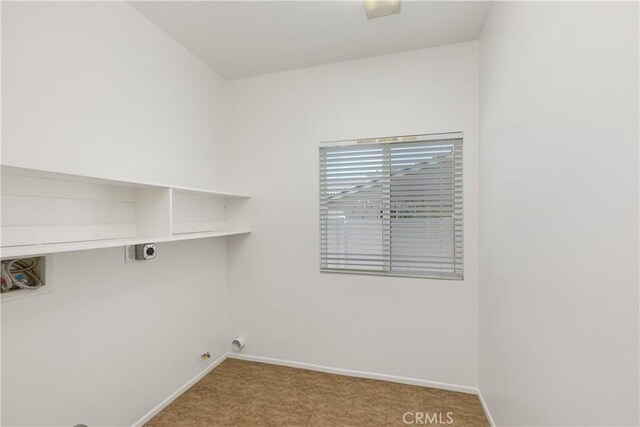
x: 24, y: 277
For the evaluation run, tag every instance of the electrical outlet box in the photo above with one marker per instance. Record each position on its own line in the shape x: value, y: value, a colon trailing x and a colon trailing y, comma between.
x: 146, y: 251
x: 141, y: 252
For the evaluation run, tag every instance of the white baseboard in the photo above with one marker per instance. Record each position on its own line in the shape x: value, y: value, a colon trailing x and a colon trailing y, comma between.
x: 173, y: 396
x: 353, y: 373
x: 486, y: 409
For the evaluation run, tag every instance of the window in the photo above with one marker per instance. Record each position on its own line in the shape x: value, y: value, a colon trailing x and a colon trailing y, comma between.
x: 392, y: 206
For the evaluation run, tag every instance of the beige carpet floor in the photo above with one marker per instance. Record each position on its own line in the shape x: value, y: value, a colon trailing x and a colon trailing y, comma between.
x: 240, y: 393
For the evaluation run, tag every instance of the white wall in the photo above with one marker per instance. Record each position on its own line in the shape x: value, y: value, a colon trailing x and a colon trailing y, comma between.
x: 425, y: 329
x: 559, y: 213
x: 96, y: 88
x: 91, y: 85
x: 113, y: 340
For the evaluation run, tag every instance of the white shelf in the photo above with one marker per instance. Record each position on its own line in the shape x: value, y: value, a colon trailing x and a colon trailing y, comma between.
x: 46, y: 212
x: 50, y: 248
x: 204, y: 235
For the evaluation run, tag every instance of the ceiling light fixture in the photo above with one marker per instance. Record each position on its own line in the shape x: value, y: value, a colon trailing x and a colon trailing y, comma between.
x: 380, y: 8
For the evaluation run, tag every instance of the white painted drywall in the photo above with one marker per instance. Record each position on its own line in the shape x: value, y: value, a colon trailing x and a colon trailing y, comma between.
x: 96, y: 88
x: 112, y: 340
x: 559, y: 213
x: 282, y: 304
x: 249, y: 38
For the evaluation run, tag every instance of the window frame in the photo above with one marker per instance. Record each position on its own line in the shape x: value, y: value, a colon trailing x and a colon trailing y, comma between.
x: 391, y: 140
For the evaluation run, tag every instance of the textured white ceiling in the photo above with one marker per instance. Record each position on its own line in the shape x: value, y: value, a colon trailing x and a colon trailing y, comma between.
x: 245, y: 38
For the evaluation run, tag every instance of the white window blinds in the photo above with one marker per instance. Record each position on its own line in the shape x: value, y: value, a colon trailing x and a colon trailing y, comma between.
x: 392, y: 207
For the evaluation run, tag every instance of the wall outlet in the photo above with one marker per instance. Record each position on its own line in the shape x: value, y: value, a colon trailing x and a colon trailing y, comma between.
x: 129, y: 253
x: 146, y: 251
